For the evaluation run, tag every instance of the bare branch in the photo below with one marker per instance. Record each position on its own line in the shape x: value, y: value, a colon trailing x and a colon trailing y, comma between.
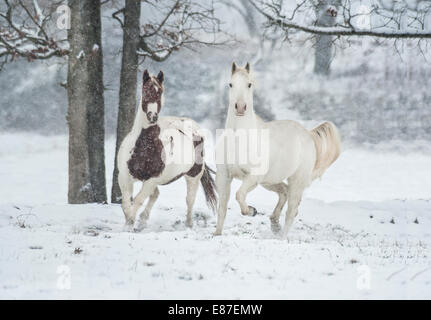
x: 24, y: 32
x: 396, y: 19
x: 115, y: 16
x: 179, y: 24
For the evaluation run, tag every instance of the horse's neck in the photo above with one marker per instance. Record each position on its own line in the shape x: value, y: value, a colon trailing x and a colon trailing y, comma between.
x: 140, y: 122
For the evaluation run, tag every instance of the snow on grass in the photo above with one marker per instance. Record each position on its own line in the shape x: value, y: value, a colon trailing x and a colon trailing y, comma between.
x: 363, y: 231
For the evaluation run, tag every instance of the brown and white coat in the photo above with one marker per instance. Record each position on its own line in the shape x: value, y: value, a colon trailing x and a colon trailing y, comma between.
x: 158, y: 151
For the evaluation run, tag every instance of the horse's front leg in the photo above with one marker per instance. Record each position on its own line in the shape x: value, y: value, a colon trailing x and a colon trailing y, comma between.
x: 148, y: 188
x: 146, y: 213
x: 126, y: 186
x: 223, y: 182
x: 248, y: 184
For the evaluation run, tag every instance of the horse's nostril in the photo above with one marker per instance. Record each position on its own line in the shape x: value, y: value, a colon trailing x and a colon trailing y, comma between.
x: 236, y: 105
x: 245, y: 107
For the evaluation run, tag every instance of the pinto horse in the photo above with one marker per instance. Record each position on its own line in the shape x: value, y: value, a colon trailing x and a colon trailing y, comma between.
x: 289, y: 153
x: 158, y: 151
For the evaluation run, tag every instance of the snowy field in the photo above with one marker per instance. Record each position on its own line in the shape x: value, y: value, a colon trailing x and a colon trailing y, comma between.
x: 363, y: 231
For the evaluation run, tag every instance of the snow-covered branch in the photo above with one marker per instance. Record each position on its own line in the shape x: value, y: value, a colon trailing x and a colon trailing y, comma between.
x: 382, y: 18
x: 25, y: 31
x: 176, y: 24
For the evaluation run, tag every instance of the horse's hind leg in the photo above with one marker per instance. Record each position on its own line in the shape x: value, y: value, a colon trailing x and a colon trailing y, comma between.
x: 297, y: 186
x: 146, y: 213
x: 192, y: 188
x: 282, y: 190
x: 223, y: 183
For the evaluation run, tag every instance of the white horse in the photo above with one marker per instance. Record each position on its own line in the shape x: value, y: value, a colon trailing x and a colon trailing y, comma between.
x: 289, y: 152
x: 159, y: 151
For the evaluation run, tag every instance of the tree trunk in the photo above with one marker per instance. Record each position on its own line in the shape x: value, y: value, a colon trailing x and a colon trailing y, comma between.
x: 323, y: 47
x: 323, y: 55
x: 128, y: 83
x: 85, y: 114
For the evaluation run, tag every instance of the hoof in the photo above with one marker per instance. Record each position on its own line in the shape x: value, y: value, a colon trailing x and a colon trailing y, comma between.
x: 217, y: 233
x: 281, y: 237
x: 251, y: 212
x: 283, y: 234
x: 275, y: 227
x: 189, y: 223
x: 128, y: 227
x: 141, y: 226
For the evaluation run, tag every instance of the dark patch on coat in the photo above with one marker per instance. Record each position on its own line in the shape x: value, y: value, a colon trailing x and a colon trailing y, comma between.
x: 146, y: 161
x: 198, y: 143
x: 173, y: 179
x: 172, y: 146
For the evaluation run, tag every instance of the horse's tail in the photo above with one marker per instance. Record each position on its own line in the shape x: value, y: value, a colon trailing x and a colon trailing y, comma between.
x: 328, y: 147
x: 209, y: 187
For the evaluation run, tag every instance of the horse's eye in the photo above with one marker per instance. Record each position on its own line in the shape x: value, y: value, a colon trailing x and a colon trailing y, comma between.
x: 230, y: 85
x: 249, y: 85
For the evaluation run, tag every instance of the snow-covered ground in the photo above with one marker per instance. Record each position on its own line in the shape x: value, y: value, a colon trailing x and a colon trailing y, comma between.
x: 363, y: 231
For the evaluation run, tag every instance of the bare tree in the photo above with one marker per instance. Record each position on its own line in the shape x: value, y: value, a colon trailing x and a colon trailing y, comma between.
x: 28, y: 29
x: 85, y: 116
x: 329, y: 20
x: 128, y: 80
x: 170, y: 26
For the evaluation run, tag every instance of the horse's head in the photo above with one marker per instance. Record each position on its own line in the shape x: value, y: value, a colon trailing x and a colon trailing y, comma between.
x: 241, y: 90
x: 152, y: 95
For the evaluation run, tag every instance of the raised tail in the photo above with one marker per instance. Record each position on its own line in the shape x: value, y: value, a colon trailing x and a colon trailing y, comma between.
x: 328, y: 147
x: 209, y: 187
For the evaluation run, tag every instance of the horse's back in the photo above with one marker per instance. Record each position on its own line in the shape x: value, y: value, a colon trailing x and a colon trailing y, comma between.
x: 291, y: 149
x: 182, y: 140
x: 181, y: 123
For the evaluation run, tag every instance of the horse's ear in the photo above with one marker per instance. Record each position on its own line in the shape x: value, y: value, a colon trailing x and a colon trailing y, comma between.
x: 247, y: 67
x: 146, y: 76
x: 160, y: 77
x: 233, y: 67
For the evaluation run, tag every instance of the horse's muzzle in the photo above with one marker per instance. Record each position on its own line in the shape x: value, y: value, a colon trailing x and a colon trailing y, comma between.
x: 152, y: 117
x: 240, y: 108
